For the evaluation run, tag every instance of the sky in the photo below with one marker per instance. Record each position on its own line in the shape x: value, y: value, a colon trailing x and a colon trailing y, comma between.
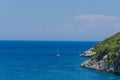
x: 69, y: 20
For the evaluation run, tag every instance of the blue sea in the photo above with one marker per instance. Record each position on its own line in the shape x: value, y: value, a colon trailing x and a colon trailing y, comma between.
x: 37, y: 60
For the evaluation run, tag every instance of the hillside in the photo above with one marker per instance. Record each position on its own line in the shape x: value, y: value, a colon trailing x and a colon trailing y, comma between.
x: 107, y: 55
x: 109, y: 47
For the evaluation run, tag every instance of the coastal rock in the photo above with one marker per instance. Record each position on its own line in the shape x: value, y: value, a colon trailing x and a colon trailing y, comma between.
x: 88, y: 53
x: 117, y: 66
x: 98, y: 65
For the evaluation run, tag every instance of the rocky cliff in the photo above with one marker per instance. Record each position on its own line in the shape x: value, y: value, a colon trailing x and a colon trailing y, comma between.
x: 105, y: 56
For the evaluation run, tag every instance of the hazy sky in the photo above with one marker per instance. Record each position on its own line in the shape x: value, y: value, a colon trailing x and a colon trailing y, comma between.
x: 59, y: 19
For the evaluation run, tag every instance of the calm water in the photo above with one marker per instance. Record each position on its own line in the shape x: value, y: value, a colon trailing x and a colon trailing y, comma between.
x: 36, y: 60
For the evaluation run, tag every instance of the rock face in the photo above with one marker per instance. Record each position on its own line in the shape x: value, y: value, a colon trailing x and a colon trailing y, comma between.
x: 104, y: 56
x: 117, y: 66
x: 88, y: 53
x: 98, y: 65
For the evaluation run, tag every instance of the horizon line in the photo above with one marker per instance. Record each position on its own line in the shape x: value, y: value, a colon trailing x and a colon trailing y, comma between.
x: 57, y: 40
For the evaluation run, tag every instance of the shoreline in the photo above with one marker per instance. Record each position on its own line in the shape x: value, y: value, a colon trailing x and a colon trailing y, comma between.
x: 100, y: 65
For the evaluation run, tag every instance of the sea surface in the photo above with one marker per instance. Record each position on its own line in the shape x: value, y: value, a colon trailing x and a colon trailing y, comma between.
x: 37, y: 60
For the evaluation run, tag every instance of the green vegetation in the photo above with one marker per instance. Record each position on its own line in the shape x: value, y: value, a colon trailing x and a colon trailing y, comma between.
x: 109, y: 47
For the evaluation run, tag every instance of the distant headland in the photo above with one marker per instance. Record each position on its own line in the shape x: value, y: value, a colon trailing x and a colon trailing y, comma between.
x: 105, y: 56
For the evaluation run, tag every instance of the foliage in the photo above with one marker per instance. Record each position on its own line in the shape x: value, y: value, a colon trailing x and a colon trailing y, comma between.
x: 109, y: 47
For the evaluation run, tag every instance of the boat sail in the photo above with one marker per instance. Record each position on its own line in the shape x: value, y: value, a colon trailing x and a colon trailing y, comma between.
x: 58, y: 53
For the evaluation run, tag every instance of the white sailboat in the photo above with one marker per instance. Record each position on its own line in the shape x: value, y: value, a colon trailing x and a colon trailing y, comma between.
x: 58, y: 53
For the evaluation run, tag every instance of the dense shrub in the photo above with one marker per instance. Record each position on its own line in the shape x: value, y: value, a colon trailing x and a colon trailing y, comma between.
x: 109, y: 47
